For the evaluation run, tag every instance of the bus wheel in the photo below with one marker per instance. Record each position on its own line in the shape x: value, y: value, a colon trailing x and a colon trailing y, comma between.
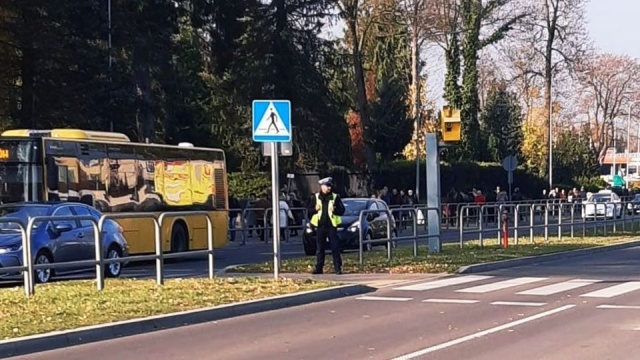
x: 179, y: 238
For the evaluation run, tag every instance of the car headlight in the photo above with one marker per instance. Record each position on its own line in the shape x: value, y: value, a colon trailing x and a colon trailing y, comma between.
x: 12, y: 248
x: 354, y: 227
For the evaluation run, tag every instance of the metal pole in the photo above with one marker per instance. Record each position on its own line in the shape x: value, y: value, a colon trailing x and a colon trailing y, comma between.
x: 629, y: 139
x: 417, y: 146
x: 275, y: 205
x: 626, y: 173
x: 615, y: 149
x: 550, y: 140
x: 110, y: 58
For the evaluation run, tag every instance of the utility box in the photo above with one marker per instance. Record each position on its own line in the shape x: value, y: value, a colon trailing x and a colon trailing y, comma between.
x: 451, y: 124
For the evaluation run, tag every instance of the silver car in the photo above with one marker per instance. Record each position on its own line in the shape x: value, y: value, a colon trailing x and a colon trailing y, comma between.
x: 58, y: 241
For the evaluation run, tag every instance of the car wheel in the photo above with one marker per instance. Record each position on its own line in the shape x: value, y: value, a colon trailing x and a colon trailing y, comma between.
x: 113, y: 270
x: 179, y: 238
x: 310, y: 247
x: 43, y: 276
x: 368, y: 246
x: 394, y: 244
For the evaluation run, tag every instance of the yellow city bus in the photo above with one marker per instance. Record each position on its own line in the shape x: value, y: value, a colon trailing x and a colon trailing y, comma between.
x: 113, y: 174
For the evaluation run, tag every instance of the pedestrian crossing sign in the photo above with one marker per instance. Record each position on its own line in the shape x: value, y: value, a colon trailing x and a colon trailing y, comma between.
x: 271, y: 120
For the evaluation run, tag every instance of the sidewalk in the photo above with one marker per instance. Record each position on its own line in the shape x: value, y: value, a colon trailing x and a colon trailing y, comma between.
x: 372, y: 280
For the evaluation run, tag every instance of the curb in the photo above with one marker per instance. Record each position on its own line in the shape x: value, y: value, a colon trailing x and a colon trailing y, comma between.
x: 530, y: 260
x: 229, y: 268
x: 59, y: 339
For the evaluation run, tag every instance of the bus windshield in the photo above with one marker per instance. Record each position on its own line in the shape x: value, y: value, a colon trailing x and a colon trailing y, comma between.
x: 20, y: 171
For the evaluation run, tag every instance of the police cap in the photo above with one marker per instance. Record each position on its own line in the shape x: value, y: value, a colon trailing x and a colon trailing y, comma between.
x: 326, y: 181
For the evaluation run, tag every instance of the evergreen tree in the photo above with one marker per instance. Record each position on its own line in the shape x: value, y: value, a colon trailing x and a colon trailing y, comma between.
x: 573, y: 157
x: 501, y: 125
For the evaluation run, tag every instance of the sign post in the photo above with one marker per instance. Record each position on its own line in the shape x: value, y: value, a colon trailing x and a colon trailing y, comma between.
x: 432, y: 169
x: 510, y: 163
x: 272, y: 124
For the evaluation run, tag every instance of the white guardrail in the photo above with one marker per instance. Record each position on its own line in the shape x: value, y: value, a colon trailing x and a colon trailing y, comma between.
x: 28, y: 268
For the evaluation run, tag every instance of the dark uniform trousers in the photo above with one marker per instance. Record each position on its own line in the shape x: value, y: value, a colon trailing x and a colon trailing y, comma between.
x: 322, y: 233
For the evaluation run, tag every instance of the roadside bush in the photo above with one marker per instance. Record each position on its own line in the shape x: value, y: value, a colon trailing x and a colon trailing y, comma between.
x: 245, y: 184
x: 592, y: 184
x: 462, y: 176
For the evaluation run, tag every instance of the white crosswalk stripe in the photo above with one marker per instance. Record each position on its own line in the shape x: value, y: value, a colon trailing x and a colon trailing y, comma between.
x: 615, y: 290
x: 528, y: 286
x: 443, y: 283
x: 559, y: 287
x: 481, y: 289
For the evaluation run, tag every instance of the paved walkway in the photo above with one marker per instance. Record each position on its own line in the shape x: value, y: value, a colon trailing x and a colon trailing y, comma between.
x: 373, y: 280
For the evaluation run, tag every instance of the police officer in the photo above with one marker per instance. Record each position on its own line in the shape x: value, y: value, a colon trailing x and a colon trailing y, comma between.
x: 326, y: 209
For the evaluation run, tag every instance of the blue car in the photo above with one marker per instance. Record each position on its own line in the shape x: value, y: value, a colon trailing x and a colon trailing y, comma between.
x: 373, y: 226
x: 58, y: 241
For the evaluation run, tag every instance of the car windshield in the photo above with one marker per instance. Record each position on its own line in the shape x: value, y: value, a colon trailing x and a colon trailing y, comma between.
x: 20, y: 212
x: 600, y: 198
x: 354, y: 207
x: 636, y: 198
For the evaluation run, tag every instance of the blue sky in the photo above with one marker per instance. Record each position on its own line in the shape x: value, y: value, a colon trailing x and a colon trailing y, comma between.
x: 614, y: 24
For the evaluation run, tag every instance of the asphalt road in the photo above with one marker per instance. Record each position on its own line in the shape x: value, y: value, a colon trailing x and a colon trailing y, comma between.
x: 580, y: 308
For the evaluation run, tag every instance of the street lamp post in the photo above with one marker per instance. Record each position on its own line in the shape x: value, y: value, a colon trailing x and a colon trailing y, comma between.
x: 110, y: 59
x: 629, y: 141
x: 550, y: 141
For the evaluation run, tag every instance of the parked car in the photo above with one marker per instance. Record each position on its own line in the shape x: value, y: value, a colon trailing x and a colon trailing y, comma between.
x: 604, y: 203
x: 58, y: 241
x: 373, y: 226
x: 633, y: 206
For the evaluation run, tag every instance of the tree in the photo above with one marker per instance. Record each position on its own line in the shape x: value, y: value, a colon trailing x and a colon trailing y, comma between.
x: 608, y: 83
x: 574, y: 157
x: 553, y: 41
x: 465, y: 22
x: 417, y: 15
x: 427, y: 125
x: 533, y: 145
x: 475, y: 15
x: 501, y: 124
x: 350, y: 11
x: 389, y: 63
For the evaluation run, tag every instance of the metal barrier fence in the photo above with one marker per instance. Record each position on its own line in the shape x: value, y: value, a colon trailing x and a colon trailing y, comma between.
x: 249, y: 223
x: 392, y: 236
x: 535, y: 218
x: 29, y: 269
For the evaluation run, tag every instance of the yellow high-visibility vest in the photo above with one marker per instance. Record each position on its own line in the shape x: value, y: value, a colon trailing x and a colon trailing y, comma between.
x: 335, y: 219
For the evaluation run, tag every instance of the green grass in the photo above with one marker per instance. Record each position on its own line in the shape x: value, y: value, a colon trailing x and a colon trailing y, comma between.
x: 449, y: 260
x: 69, y: 305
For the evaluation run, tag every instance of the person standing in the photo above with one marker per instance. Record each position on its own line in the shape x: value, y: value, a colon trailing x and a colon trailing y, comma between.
x: 326, y: 209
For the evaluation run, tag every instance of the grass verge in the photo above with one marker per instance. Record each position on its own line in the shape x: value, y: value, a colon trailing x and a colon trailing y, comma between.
x: 69, y: 305
x: 450, y: 259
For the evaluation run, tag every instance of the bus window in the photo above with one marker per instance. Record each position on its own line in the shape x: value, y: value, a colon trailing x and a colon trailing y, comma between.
x: 123, y: 187
x: 150, y: 199
x: 20, y: 171
x: 93, y: 175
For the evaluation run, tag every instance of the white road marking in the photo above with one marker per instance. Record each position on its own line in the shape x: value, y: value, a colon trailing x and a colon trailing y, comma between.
x: 481, y: 289
x: 517, y: 303
x: 444, y: 282
x: 618, y: 307
x: 559, y: 287
x: 615, y: 290
x: 451, y: 301
x: 382, y: 298
x: 482, y: 333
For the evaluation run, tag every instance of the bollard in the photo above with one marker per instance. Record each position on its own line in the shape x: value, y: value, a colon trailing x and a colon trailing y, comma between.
x: 505, y: 229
